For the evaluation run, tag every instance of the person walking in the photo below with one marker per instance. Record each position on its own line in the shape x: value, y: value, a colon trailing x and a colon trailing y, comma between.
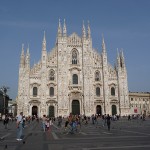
x: 44, y: 123
x: 23, y: 123
x: 6, y: 120
x: 19, y: 126
x: 59, y: 121
x: 108, y: 118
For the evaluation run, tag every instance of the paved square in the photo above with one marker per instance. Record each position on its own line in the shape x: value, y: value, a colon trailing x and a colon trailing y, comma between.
x: 130, y: 135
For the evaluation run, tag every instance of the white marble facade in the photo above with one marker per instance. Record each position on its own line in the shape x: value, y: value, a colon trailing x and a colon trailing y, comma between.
x: 73, y: 77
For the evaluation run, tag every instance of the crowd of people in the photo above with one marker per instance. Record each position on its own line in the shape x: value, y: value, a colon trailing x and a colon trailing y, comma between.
x: 72, y: 123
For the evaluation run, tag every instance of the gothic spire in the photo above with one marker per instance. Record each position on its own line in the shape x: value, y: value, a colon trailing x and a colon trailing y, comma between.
x: 28, y: 50
x: 64, y: 29
x: 22, y: 58
x: 28, y: 57
x: 122, y: 55
x: 44, y: 43
x: 118, y: 54
x: 118, y: 59
x: 122, y: 58
x: 89, y: 30
x: 59, y: 29
x: 103, y: 45
x: 22, y: 52
x: 83, y: 31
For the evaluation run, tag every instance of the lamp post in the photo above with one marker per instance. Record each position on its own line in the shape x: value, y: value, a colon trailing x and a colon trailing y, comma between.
x: 4, y: 102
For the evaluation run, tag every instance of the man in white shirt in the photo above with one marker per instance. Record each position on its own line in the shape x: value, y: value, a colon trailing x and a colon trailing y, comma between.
x: 19, y: 126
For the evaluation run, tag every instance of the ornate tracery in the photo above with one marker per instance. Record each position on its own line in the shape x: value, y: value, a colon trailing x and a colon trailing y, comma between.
x: 74, y: 57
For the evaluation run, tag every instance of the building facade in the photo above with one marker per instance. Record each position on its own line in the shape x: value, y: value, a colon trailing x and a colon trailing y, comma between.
x: 72, y: 78
x: 139, y: 103
x: 12, y: 108
x: 4, y: 98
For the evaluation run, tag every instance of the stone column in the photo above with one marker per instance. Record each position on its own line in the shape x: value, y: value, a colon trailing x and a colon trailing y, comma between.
x: 30, y: 110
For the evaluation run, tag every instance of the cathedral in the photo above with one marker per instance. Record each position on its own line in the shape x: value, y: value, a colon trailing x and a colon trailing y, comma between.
x: 72, y: 77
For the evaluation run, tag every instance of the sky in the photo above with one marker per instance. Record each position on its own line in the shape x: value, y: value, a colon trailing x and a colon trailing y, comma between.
x: 125, y: 24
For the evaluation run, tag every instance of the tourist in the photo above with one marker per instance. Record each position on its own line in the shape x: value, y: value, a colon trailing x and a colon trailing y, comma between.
x: 6, y: 120
x: 108, y: 118
x: 44, y: 123
x: 19, y: 126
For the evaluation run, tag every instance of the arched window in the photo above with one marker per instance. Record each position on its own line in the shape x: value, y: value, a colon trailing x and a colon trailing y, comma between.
x: 97, y: 91
x: 97, y: 76
x: 113, y: 91
x: 74, y: 57
x: 51, y: 91
x: 75, y: 79
x: 51, y: 75
x: 35, y: 91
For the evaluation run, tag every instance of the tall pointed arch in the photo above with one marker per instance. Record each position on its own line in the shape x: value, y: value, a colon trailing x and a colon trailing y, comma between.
x: 112, y: 91
x: 35, y: 91
x: 75, y: 79
x: 97, y: 76
x: 74, y: 56
x: 51, y: 75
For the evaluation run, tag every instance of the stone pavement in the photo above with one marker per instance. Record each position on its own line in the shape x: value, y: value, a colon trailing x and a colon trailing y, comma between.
x: 130, y: 135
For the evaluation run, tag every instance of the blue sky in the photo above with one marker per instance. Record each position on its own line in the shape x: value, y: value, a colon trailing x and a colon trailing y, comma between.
x: 124, y: 24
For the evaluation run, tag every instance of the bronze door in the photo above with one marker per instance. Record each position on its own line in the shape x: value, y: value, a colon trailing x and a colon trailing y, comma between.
x: 51, y: 111
x: 75, y: 107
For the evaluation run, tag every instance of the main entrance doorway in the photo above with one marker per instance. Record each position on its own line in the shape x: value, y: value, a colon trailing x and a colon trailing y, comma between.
x: 99, y: 110
x: 51, y: 111
x: 75, y: 107
x: 114, y: 110
x: 34, y: 111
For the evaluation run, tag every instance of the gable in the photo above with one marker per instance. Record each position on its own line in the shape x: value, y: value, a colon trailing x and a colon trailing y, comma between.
x: 74, y: 40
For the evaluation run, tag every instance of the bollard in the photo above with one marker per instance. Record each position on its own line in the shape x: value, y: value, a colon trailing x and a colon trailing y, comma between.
x: 6, y: 146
